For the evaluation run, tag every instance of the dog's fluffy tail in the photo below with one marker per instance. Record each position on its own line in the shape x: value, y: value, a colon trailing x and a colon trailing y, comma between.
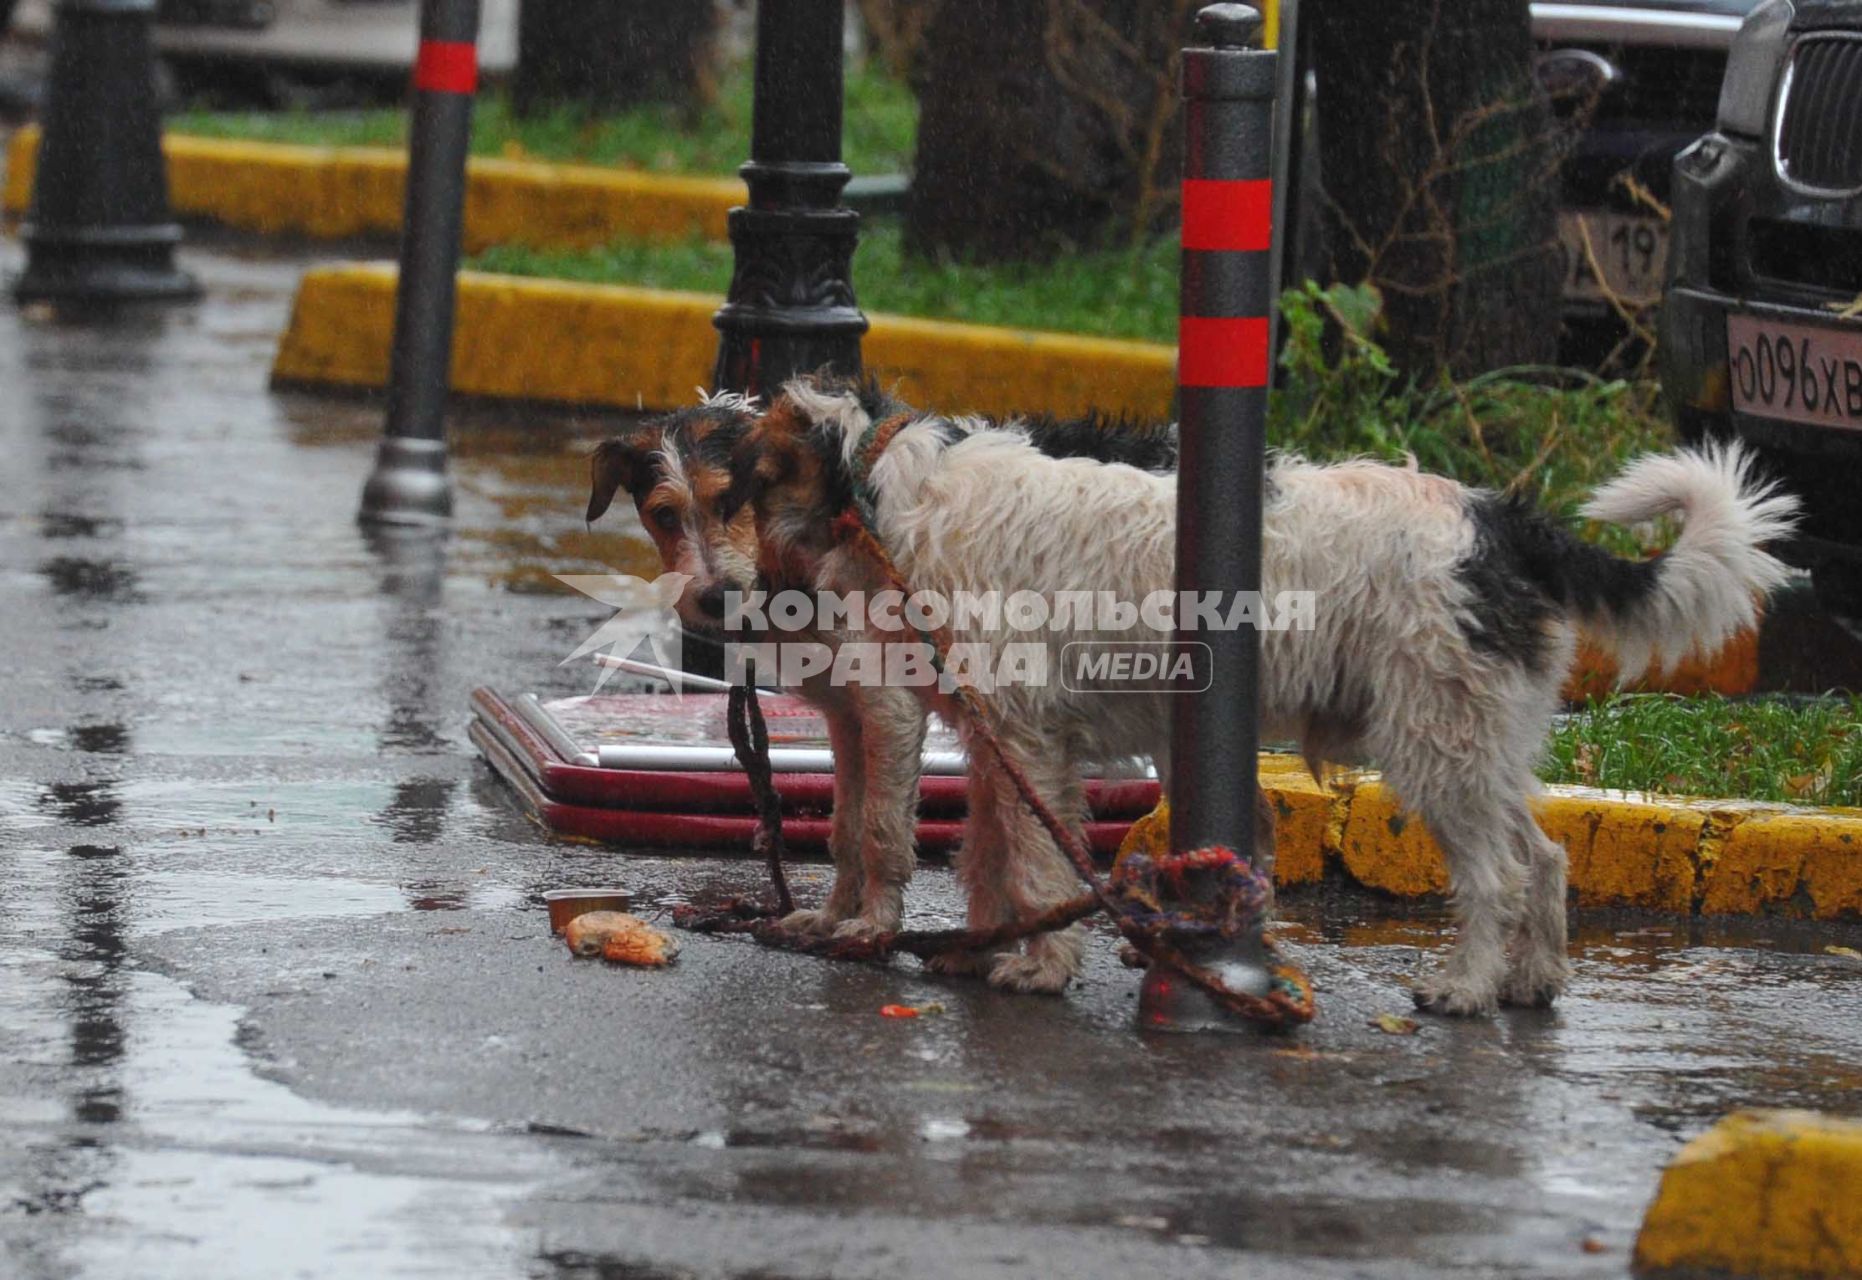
x: 1708, y: 586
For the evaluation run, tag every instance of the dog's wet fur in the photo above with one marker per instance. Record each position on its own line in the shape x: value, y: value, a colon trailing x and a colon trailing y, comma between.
x: 1447, y: 619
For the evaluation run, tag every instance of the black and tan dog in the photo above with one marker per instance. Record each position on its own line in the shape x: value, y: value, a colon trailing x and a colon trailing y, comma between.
x: 677, y: 470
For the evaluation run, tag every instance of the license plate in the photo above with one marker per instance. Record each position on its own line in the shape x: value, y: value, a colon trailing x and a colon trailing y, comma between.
x: 1614, y: 255
x: 1796, y: 372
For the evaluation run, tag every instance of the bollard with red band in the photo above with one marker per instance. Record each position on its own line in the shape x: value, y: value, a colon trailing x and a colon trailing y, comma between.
x: 1223, y: 367
x: 410, y: 485
x: 446, y: 66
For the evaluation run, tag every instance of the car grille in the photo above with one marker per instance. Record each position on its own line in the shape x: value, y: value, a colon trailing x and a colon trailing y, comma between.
x: 1818, y: 143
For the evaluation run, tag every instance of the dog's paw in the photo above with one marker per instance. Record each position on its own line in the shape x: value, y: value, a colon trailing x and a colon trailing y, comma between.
x: 1045, y: 974
x: 1444, y: 995
x: 1534, y: 986
x: 962, y: 964
x: 813, y: 922
x: 864, y: 928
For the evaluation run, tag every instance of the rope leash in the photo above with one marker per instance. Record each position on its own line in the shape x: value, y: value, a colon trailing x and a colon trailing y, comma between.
x: 750, y: 743
x: 1132, y: 899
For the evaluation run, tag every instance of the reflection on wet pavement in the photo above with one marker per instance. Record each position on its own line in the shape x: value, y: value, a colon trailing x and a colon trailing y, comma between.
x: 273, y: 981
x: 218, y: 675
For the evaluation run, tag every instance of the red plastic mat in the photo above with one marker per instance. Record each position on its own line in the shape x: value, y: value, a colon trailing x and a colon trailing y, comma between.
x: 550, y: 755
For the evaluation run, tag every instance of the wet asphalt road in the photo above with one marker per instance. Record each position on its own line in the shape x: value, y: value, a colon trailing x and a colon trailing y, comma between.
x: 276, y: 999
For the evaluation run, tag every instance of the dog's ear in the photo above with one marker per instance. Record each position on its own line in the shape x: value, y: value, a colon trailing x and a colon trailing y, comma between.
x: 770, y: 454
x: 618, y: 463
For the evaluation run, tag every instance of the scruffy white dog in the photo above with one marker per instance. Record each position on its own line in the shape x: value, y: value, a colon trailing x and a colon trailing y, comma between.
x: 1445, y: 621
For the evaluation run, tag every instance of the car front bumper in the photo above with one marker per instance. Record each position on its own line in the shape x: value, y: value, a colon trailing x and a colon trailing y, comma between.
x: 1821, y: 465
x: 1714, y: 196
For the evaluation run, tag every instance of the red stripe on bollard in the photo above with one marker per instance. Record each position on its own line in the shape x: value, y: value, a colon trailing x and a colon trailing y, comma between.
x: 447, y: 66
x: 1222, y: 352
x: 1228, y: 215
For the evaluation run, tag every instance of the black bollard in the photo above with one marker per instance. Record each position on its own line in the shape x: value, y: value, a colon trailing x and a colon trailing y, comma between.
x: 1222, y: 374
x: 410, y: 485
x: 99, y: 229
x: 791, y: 308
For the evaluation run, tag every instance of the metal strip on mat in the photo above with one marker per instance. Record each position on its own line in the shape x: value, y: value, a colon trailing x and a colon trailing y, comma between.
x: 675, y: 757
x: 538, y: 718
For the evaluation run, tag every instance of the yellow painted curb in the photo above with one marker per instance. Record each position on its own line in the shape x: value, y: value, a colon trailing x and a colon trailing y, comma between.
x: 1812, y: 860
x: 1383, y: 848
x: 1761, y: 1194
x: 616, y: 345
x: 337, y: 192
x: 1303, y: 813
x: 1660, y: 853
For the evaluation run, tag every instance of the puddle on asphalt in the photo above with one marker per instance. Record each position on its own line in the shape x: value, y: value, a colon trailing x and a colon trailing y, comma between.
x: 415, y: 810
x: 182, y: 1162
x: 188, y: 900
x: 1620, y: 936
x: 148, y: 901
x: 92, y: 739
x: 523, y: 477
x: 151, y: 901
x: 217, y: 735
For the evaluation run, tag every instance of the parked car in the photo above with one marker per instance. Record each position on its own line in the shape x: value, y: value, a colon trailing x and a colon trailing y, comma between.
x: 1761, y: 334
x: 1638, y: 80
x: 1646, y: 76
x: 312, y: 36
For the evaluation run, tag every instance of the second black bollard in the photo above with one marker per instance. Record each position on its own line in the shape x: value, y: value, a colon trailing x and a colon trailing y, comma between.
x: 410, y: 485
x: 1222, y: 374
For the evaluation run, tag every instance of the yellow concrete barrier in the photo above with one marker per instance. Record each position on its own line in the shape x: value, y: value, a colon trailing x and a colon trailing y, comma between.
x: 1762, y: 1194
x: 616, y: 345
x: 339, y: 192
x: 1659, y: 853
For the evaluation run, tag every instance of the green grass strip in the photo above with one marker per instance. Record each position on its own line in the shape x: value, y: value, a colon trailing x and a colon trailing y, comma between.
x: 881, y: 125
x: 1551, y: 435
x: 1793, y: 751
x: 1109, y: 293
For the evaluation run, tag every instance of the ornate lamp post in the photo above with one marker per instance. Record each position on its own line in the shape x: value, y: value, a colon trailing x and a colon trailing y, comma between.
x: 791, y: 307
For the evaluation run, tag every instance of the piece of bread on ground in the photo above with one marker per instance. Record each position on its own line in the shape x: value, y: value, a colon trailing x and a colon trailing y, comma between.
x: 624, y: 939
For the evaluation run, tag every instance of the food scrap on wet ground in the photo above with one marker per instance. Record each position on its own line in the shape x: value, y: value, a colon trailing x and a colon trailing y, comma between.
x: 621, y: 938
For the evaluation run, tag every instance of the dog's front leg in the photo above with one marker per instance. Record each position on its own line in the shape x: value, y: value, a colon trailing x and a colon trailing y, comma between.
x: 980, y: 863
x: 1033, y: 873
x: 892, y: 737
x: 844, y: 832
